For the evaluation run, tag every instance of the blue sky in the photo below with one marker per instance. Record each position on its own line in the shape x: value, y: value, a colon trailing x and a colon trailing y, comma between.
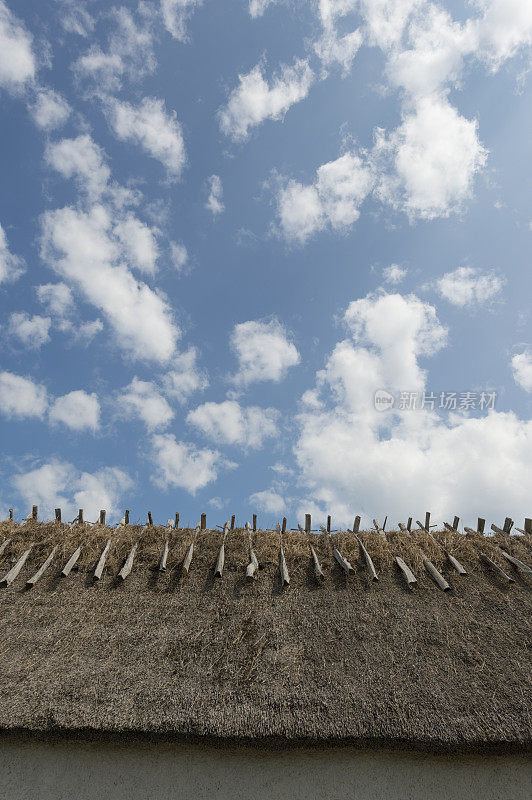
x: 225, y: 226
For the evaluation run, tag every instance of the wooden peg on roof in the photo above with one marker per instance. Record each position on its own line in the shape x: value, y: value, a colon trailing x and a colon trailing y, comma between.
x: 233, y: 522
x: 427, y: 520
x: 176, y: 520
x: 402, y: 527
x: 98, y: 572
x: 456, y: 522
x: 405, y: 569
x: 508, y: 525
x: 329, y: 523
x: 11, y: 515
x: 204, y: 522
x: 34, y: 513
x: 308, y: 523
x: 409, y: 524
x: 102, y: 517
x: 367, y: 558
x: 496, y: 529
x: 58, y: 515
x: 480, y: 525
x: 67, y: 569
x: 14, y: 571
x: 284, y: 525
x: 126, y: 517
x: 516, y: 563
x: 33, y: 580
x: 128, y: 566
x: 528, y: 525
x: 492, y: 565
x: 254, y: 523
x: 150, y: 519
x: 253, y: 565
x: 164, y: 557
x: 356, y: 524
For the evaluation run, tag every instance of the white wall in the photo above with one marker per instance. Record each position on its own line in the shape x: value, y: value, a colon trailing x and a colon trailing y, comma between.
x: 77, y: 771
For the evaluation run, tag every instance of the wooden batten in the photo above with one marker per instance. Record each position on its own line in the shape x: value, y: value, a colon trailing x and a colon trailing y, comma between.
x: 253, y: 565
x: 436, y: 576
x: 422, y: 526
x: 516, y: 563
x: 508, y: 525
x: 126, y: 517
x: 102, y: 517
x: 528, y: 523
x: 451, y: 559
x: 492, y: 565
x: 164, y: 557
x: 128, y: 566
x: 308, y: 523
x: 450, y: 527
x: 427, y: 520
x: 283, y: 527
x: 40, y: 572
x: 329, y: 523
x: 8, y: 579
x: 204, y: 522
x: 480, y: 525
x: 34, y: 513
x: 150, y: 519
x: 254, y: 523
x: 98, y: 572
x: 369, y: 563
x: 185, y: 567
x: 232, y: 527
x: 4, y: 545
x: 283, y: 569
x: 470, y: 530
x: 71, y: 563
x: 176, y: 520
x: 343, y: 562
x: 11, y: 515
x: 456, y: 522
x: 219, y: 567
x: 405, y: 569
x: 496, y: 529
x: 379, y: 528
x: 318, y: 572
x: 58, y: 515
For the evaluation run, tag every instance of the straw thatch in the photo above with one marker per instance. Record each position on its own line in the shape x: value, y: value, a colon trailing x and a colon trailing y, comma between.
x: 345, y: 660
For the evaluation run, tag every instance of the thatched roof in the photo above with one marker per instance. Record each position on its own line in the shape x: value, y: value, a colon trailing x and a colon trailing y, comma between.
x: 344, y: 661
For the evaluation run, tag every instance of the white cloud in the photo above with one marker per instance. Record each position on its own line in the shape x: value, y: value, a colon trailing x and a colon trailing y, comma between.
x: 149, y: 125
x: 231, y: 423
x: 185, y: 378
x: 215, y: 201
x: 331, y: 47
x: 58, y: 484
x: 432, y: 157
x: 504, y: 28
x: 522, y: 370
x: 254, y: 100
x: 258, y: 7
x: 129, y: 54
x: 385, y: 20
x: 50, y: 109
x: 56, y: 297
x: 77, y: 410
x: 183, y: 465
x: 179, y: 256
x: 467, y: 286
x: 75, y: 18
x: 21, y: 397
x: 17, y: 61
x: 139, y: 242
x: 333, y: 199
x: 394, y: 274
x: 80, y: 158
x: 268, y: 501
x: 264, y: 351
x: 33, y: 331
x: 79, y: 247
x: 347, y: 449
x: 175, y: 15
x: 142, y: 399
x: 11, y: 266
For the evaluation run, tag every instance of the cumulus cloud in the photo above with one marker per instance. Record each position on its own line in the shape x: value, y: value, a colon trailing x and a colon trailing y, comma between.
x: 21, y: 397
x: 522, y: 370
x: 81, y: 249
x: 58, y: 484
x: 504, y: 28
x: 179, y: 256
x: 17, y: 60
x: 183, y: 465
x: 139, y: 242
x: 50, y: 109
x: 231, y: 423
x: 143, y: 400
x: 427, y: 165
x: 80, y: 158
x: 11, y: 266
x: 151, y: 126
x: 254, y: 100
x: 269, y: 501
x: 175, y: 14
x: 56, y: 297
x: 467, y: 286
x: 185, y: 378
x: 442, y: 460
x: 258, y: 7
x: 74, y: 18
x: 215, y: 200
x: 264, y: 351
x: 33, y: 332
x: 129, y: 53
x: 77, y: 410
x: 394, y: 274
x: 334, y: 199
x: 333, y: 47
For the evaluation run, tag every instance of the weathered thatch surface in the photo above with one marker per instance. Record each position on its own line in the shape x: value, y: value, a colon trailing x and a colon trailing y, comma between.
x: 345, y: 661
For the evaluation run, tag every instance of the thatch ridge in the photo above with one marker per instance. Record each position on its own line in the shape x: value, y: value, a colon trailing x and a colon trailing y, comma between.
x: 345, y: 661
